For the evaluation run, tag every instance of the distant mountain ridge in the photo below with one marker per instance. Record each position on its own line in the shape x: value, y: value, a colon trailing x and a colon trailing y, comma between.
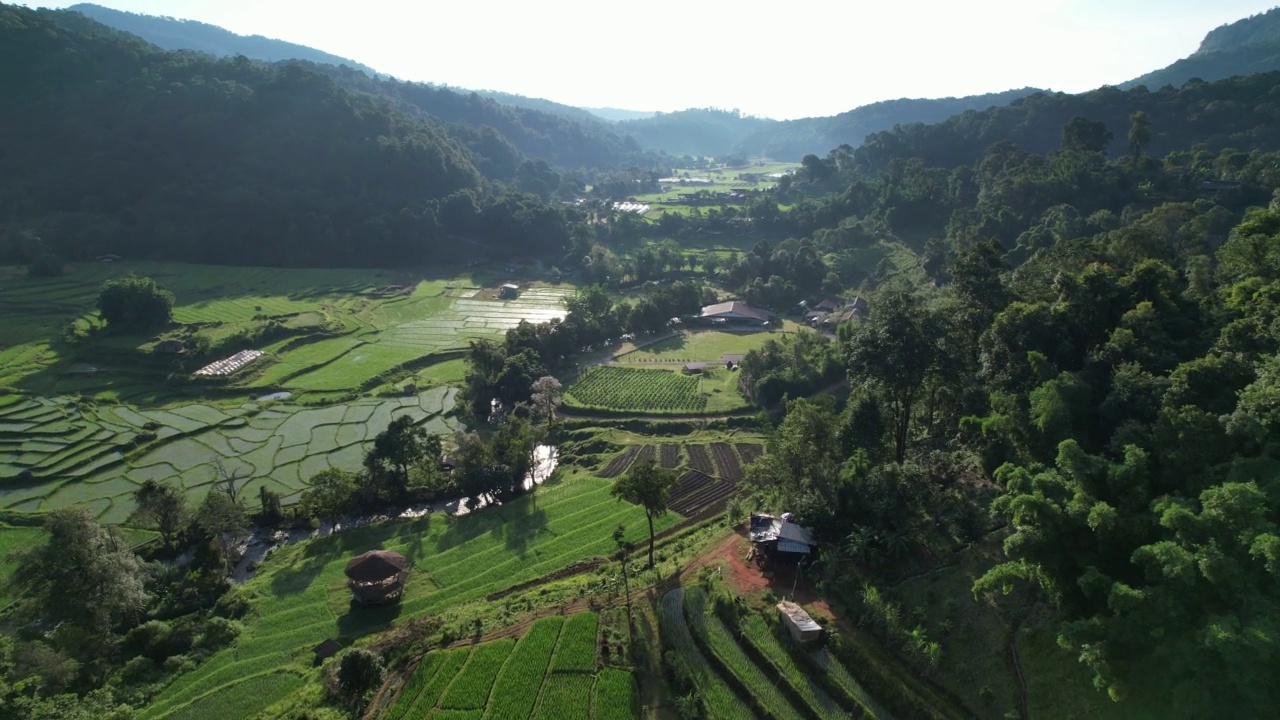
x: 173, y: 34
x: 793, y: 139
x: 726, y: 132
x: 1245, y: 47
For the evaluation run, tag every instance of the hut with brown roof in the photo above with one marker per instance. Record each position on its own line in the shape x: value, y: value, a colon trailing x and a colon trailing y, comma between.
x: 377, y: 577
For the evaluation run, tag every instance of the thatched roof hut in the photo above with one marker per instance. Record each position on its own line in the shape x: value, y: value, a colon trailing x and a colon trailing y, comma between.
x: 377, y: 576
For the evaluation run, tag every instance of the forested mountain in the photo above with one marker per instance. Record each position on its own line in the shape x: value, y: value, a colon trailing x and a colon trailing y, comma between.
x: 561, y: 135
x: 113, y: 146
x: 793, y: 139
x: 503, y: 133
x: 694, y: 132
x: 1094, y: 337
x: 541, y: 104
x: 721, y: 133
x: 1244, y: 47
x: 1235, y: 113
x: 174, y: 34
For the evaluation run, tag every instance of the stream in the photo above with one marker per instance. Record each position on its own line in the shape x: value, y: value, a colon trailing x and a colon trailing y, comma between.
x: 261, y: 541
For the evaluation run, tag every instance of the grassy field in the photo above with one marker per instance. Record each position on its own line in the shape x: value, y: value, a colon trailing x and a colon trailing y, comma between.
x: 300, y: 596
x: 699, y: 346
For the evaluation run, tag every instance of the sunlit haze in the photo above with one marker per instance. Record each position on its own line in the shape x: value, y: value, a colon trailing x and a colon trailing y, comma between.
x: 781, y: 60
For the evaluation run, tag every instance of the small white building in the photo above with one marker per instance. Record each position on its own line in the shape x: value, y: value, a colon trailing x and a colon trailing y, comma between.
x: 803, y: 628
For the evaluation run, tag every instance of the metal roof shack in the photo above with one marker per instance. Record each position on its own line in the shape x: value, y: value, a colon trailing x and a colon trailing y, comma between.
x: 799, y: 624
x: 778, y: 538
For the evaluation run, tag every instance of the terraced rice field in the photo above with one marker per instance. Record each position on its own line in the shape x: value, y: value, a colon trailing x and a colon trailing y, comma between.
x: 303, y: 598
x: 779, y: 663
x: 55, y: 453
x: 718, y: 700
x: 550, y: 673
x: 720, y: 643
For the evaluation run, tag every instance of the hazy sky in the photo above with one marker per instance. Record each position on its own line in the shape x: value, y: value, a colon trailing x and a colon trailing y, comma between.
x: 785, y: 59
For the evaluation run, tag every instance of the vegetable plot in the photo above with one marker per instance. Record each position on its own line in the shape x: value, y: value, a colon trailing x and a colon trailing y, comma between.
x: 636, y: 389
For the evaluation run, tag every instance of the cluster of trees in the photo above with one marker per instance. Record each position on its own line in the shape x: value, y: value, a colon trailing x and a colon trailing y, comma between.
x: 795, y: 365
x: 133, y: 302
x: 100, y: 627
x: 1093, y: 371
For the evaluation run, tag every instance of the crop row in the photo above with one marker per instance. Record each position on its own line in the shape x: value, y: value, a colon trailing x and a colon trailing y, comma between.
x: 426, y: 701
x: 757, y: 634
x: 721, y: 643
x: 718, y: 700
x: 576, y: 651
x: 565, y: 696
x: 624, y: 388
x: 417, y: 682
x: 470, y: 690
x: 841, y: 678
x: 240, y: 699
x: 516, y: 690
x: 615, y: 696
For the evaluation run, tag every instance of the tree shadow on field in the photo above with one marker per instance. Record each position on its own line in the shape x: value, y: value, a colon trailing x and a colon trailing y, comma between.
x: 374, y: 536
x: 523, y: 521
x: 649, y: 351
x: 296, y: 577
x: 361, y: 620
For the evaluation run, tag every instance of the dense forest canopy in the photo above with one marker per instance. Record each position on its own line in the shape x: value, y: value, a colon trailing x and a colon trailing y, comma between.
x: 114, y: 146
x: 173, y: 34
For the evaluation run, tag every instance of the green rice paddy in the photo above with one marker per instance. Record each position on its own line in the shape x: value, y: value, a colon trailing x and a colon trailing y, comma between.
x: 60, y: 452
x: 86, y: 422
x: 301, y: 598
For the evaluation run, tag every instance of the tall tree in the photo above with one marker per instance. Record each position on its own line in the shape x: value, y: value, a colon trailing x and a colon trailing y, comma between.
x: 402, y: 444
x: 329, y: 494
x: 894, y: 352
x: 547, y: 394
x: 222, y: 520
x: 1084, y: 135
x: 82, y: 575
x: 163, y: 506
x: 360, y: 671
x: 647, y: 485
x: 1139, y: 133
